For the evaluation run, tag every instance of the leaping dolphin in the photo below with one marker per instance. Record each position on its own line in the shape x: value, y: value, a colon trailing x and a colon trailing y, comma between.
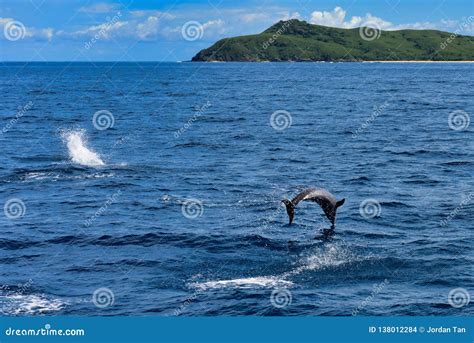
x: 323, y: 198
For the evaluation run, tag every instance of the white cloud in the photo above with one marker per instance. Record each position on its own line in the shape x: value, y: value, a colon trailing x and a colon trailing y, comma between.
x: 253, y: 17
x: 148, y: 13
x: 416, y: 26
x: 214, y: 28
x: 267, y: 16
x: 46, y: 34
x: 289, y: 15
x: 463, y: 27
x: 334, y: 18
x: 147, y: 30
x: 152, y: 25
x: 211, y: 29
x: 141, y: 29
x: 337, y: 18
x: 99, y: 8
x: 218, y: 23
x: 20, y: 29
x: 106, y: 31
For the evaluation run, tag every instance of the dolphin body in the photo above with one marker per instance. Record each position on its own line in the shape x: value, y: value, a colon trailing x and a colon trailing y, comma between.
x: 323, y: 198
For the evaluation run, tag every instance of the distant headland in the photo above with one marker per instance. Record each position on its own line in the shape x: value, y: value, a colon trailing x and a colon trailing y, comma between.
x: 298, y: 41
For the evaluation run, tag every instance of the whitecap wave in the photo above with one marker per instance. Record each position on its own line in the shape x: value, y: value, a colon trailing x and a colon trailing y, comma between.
x: 34, y: 176
x: 78, y: 151
x: 265, y: 282
x: 38, y: 176
x: 31, y: 304
x: 330, y: 256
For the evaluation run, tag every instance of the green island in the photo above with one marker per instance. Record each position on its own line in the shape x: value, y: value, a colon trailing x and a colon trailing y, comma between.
x: 299, y: 41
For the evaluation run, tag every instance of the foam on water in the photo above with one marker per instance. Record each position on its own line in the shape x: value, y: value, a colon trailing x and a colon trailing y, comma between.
x: 330, y: 256
x: 31, y: 304
x: 38, y: 176
x: 78, y: 151
x: 260, y: 281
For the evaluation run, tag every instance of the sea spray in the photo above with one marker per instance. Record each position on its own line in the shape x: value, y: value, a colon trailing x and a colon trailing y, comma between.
x: 79, y: 153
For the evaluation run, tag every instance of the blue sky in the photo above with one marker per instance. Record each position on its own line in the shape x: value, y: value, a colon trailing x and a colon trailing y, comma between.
x: 128, y: 30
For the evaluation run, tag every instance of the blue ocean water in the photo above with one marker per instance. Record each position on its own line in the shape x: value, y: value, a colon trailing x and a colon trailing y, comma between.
x: 170, y: 203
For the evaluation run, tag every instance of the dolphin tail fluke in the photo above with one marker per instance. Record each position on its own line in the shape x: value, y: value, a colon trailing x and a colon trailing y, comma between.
x: 290, y: 209
x: 340, y: 203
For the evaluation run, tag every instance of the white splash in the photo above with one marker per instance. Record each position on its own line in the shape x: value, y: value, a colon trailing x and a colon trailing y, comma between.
x: 20, y: 304
x: 270, y: 282
x: 78, y: 151
x: 330, y: 256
